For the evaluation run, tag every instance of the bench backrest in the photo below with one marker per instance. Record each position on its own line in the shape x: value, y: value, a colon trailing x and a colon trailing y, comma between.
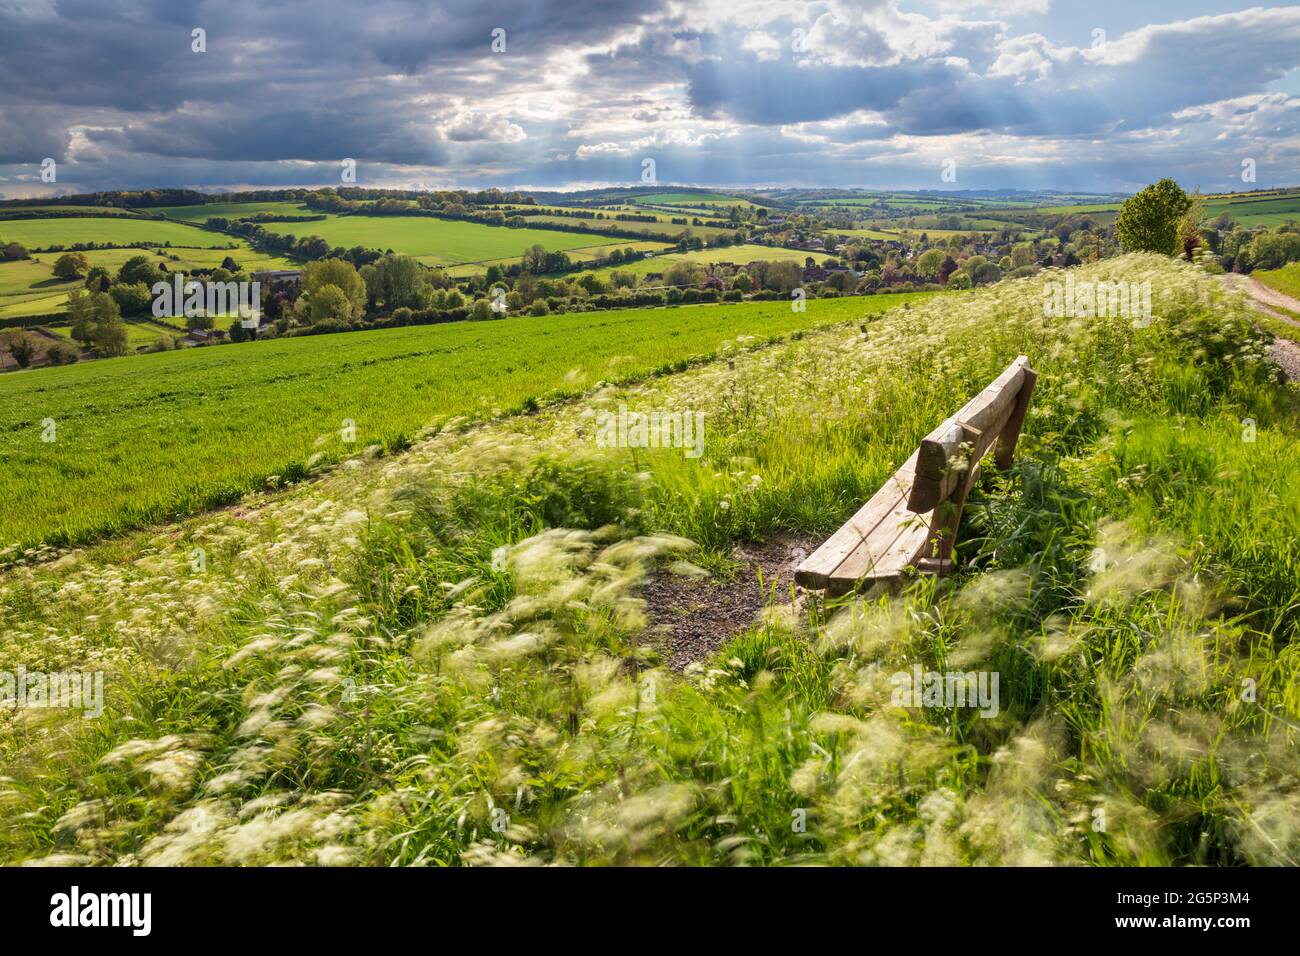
x: 995, y: 414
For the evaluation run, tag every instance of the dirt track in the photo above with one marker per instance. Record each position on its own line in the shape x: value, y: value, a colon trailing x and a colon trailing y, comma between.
x: 1268, y: 301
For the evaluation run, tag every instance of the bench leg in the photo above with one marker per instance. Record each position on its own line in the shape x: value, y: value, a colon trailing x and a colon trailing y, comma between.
x: 944, y: 524
x: 1010, y: 434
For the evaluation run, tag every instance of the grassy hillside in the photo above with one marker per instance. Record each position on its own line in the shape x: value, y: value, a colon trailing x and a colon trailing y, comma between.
x: 149, y: 436
x: 29, y: 286
x: 1286, y: 279
x: 40, y: 233
x: 232, y: 210
x: 444, y: 658
x: 435, y: 240
x: 741, y: 255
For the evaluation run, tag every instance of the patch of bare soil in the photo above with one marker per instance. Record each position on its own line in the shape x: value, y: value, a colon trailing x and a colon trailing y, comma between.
x: 690, y: 617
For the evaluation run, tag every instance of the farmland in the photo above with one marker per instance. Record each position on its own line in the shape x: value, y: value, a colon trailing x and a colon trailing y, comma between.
x: 149, y: 436
x: 579, y: 255
x: 740, y: 255
x: 41, y: 233
x: 664, y: 228
x: 436, y: 241
x: 231, y: 210
x: 364, y: 668
x: 29, y: 287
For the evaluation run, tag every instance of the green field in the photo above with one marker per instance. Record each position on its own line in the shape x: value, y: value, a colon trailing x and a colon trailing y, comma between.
x: 28, y: 286
x: 232, y: 210
x: 740, y: 255
x: 663, y: 228
x: 40, y: 233
x: 139, y: 332
x: 79, y: 210
x: 1257, y: 211
x: 371, y: 667
x: 689, y: 199
x: 144, y: 437
x: 435, y: 241
x: 585, y: 254
x: 1285, y: 280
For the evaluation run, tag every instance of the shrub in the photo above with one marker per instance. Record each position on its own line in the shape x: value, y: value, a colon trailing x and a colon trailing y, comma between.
x: 62, y: 353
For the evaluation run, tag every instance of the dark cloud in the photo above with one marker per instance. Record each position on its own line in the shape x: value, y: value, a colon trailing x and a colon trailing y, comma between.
x: 286, y: 89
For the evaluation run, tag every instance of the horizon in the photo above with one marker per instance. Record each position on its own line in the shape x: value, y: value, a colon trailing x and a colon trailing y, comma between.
x: 1028, y: 95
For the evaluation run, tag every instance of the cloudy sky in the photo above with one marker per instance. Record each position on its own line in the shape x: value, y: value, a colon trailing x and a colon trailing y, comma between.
x: 1100, y: 95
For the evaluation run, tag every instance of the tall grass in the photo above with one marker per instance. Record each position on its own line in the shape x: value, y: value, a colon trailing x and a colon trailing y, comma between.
x: 440, y: 657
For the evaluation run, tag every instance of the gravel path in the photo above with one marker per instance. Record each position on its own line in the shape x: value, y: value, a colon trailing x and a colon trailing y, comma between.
x: 1284, y: 352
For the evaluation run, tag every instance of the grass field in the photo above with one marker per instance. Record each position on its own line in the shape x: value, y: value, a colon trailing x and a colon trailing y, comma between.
x: 663, y: 229
x: 447, y: 657
x: 232, y: 210
x: 1286, y: 279
x: 436, y: 241
x: 29, y: 287
x: 40, y: 233
x: 689, y: 199
x: 145, y: 437
x: 741, y: 255
x: 139, y: 332
x: 80, y: 210
x: 1257, y: 211
x: 585, y: 254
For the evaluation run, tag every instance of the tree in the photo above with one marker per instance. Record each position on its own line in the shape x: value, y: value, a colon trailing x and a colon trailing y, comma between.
x: 928, y: 263
x: 132, y: 298
x: 1148, y: 221
x: 540, y: 308
x: 684, y: 273
x: 71, y: 265
x: 1189, y: 226
x: 327, y: 302
x: 481, y: 311
x: 22, y: 348
x: 1272, y: 250
x: 1022, y: 255
x: 534, y: 259
x: 110, y: 336
x: 395, y: 282
x: 62, y: 353
x: 946, y: 268
x: 81, y: 313
x: 98, y: 279
x: 343, y: 277
x: 229, y: 264
x: 14, y: 251
x: 139, y: 269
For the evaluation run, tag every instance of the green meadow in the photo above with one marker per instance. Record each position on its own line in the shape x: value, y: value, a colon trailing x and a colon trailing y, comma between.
x: 435, y: 241
x: 740, y: 255
x: 456, y: 655
x: 144, y: 438
x: 40, y: 233
x: 232, y: 210
x: 29, y: 286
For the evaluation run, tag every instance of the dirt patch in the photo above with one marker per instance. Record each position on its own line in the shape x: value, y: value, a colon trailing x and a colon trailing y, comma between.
x: 690, y: 617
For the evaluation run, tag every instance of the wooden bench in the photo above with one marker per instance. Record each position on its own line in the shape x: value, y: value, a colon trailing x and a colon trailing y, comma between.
x: 912, y: 521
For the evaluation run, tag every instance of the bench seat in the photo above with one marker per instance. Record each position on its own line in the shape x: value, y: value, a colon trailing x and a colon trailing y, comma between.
x: 912, y: 520
x: 877, y: 543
